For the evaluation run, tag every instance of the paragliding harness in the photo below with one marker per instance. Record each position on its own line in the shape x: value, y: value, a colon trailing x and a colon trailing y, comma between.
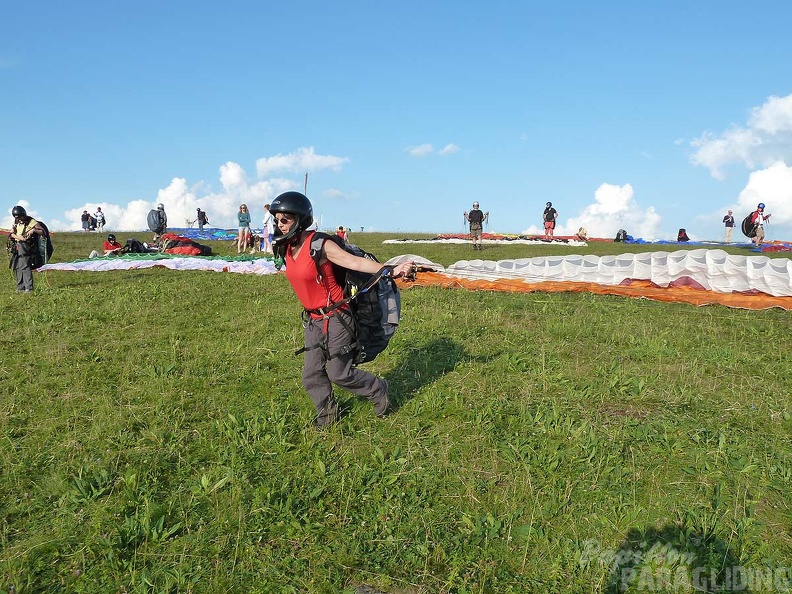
x: 156, y: 222
x: 621, y: 235
x: 38, y: 247
x: 134, y: 246
x: 372, y: 299
x: 750, y: 225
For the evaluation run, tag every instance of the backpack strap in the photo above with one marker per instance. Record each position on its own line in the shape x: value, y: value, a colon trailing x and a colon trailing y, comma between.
x: 375, y: 278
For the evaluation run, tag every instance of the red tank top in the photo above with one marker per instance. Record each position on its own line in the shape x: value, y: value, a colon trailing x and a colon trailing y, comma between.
x: 313, y: 291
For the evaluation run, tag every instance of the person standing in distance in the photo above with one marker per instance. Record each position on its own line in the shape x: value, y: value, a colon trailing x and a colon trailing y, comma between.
x: 728, y: 222
x: 202, y: 220
x: 268, y: 231
x: 549, y: 216
x: 162, y: 223
x: 25, y: 233
x: 328, y: 360
x: 243, y: 239
x: 476, y: 219
x: 100, y: 220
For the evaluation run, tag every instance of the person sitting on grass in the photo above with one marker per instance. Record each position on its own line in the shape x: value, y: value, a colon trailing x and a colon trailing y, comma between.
x: 111, y: 246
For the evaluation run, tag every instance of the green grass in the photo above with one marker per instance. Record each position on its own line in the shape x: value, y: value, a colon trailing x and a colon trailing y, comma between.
x: 154, y: 437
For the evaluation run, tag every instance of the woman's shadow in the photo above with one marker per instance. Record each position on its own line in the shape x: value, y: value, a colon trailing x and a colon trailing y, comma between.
x: 424, y: 365
x: 676, y: 558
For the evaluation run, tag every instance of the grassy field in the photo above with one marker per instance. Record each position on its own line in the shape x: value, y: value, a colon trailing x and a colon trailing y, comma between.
x: 154, y: 437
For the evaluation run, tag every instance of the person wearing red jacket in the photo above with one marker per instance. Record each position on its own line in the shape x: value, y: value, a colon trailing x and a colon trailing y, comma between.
x: 111, y: 247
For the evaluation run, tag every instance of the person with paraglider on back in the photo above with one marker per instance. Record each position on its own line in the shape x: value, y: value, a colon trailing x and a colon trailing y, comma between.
x: 25, y: 234
x: 327, y: 337
x: 759, y: 218
x: 202, y: 219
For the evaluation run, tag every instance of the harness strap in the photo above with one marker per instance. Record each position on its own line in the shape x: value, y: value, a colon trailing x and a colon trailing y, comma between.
x: 325, y: 311
x: 322, y: 344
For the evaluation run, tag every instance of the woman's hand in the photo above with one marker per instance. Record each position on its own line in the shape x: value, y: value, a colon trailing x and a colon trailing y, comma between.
x: 403, y: 269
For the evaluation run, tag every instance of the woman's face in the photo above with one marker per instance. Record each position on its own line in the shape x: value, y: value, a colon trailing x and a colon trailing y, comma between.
x: 243, y: 208
x: 285, y: 221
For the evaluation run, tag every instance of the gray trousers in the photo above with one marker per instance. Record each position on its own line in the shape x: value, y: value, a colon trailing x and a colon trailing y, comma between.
x: 23, y: 271
x: 326, y: 365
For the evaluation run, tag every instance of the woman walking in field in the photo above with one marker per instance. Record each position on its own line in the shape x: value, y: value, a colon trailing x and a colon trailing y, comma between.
x: 243, y: 238
x: 328, y: 360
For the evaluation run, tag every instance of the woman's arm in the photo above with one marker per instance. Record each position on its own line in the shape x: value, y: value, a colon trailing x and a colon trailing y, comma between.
x: 344, y: 259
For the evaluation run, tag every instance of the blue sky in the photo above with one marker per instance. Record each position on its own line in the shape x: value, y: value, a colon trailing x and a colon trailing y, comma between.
x: 643, y: 116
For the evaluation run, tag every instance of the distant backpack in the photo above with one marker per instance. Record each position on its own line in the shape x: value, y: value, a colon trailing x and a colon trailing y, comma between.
x: 45, y: 248
x: 621, y: 235
x: 156, y: 221
x: 133, y: 246
x: 373, y: 300
x: 749, y: 225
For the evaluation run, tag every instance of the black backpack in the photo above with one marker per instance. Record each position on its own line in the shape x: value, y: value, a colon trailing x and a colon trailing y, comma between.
x: 621, y: 235
x: 133, y: 246
x: 373, y: 300
x: 155, y: 221
x: 749, y: 226
x: 39, y: 247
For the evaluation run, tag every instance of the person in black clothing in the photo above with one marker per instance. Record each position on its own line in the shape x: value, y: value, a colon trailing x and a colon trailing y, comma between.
x: 202, y: 219
x: 682, y: 235
x: 549, y: 216
x: 476, y: 219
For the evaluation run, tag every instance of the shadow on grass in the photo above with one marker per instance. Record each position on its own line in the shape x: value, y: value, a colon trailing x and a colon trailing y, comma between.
x: 423, y: 365
x: 678, y: 559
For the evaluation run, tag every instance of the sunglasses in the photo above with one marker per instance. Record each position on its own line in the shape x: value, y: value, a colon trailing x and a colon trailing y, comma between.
x: 282, y: 221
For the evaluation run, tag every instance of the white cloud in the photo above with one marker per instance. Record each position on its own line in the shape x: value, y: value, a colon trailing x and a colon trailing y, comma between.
x: 182, y: 199
x: 423, y: 150
x: 613, y: 209
x: 773, y: 186
x: 765, y: 139
x: 302, y: 160
x: 449, y: 149
x: 334, y: 194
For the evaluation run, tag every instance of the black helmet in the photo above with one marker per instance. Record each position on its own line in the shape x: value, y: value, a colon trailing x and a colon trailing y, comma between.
x: 296, y: 204
x: 549, y: 204
x: 111, y: 237
x: 18, y: 211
